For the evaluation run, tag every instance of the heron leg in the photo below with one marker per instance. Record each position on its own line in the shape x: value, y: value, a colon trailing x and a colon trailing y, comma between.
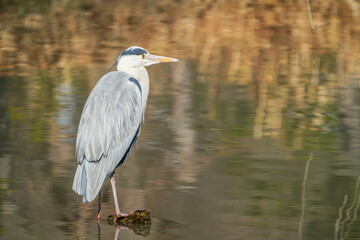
x: 117, y: 209
x: 99, y: 208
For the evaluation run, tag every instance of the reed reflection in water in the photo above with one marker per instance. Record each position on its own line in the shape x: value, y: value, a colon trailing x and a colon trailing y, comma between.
x: 224, y: 152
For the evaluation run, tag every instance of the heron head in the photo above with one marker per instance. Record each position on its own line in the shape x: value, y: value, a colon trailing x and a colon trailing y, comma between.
x: 135, y: 57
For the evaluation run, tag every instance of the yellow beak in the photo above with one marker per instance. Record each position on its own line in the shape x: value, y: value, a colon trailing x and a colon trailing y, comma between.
x: 153, y: 59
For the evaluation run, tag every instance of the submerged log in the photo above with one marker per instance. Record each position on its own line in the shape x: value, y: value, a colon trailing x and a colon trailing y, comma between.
x: 138, y: 221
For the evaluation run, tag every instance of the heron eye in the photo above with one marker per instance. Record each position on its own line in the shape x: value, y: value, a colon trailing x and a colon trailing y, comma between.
x: 143, y: 56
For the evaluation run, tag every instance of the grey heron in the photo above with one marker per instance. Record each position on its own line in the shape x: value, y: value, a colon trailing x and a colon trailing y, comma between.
x: 110, y: 123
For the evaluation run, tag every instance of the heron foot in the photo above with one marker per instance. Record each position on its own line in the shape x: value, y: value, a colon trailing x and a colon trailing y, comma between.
x: 138, y: 217
x: 99, y: 218
x: 121, y: 215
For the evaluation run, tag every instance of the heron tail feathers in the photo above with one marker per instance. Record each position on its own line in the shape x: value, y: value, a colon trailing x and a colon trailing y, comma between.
x: 89, y: 178
x: 79, y: 184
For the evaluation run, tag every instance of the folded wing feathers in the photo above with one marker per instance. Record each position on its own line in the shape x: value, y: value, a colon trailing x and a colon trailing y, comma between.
x: 109, y: 122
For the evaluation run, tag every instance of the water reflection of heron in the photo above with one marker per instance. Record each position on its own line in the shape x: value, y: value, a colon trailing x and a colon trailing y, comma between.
x: 110, y: 123
x: 138, y: 229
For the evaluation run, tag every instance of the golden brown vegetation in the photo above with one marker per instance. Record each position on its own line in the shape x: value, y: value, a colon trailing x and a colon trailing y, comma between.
x: 268, y: 45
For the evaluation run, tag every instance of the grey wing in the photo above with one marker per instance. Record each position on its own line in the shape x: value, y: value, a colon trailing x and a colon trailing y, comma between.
x: 109, y: 127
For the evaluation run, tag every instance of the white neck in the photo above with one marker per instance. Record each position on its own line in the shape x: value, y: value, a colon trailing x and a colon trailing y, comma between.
x: 140, y: 74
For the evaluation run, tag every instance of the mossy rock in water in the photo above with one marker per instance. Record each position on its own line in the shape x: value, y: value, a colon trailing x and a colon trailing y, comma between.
x: 138, y: 221
x: 138, y: 217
